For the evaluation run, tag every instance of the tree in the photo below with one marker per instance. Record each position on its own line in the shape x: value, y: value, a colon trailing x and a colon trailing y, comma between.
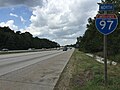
x: 92, y: 40
x: 21, y: 41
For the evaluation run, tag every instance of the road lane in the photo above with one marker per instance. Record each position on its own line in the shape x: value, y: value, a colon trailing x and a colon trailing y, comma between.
x: 19, y: 58
x: 11, y: 63
x: 41, y: 75
x: 8, y: 56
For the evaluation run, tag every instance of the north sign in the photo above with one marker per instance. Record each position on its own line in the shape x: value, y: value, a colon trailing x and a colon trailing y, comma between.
x: 106, y: 23
x: 106, y: 7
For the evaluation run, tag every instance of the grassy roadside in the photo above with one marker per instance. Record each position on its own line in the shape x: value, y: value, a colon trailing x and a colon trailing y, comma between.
x: 84, y: 73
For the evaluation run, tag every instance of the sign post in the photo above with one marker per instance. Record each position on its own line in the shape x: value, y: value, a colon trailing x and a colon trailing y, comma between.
x: 105, y: 56
x: 105, y: 59
x: 106, y: 24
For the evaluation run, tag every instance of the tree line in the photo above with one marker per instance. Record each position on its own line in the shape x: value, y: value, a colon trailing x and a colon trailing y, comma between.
x: 92, y: 40
x: 22, y: 41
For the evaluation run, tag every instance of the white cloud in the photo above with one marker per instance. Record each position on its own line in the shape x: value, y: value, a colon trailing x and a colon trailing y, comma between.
x: 14, y: 15
x: 9, y: 23
x: 62, y: 20
x: 22, y: 19
x: 59, y: 20
x: 31, y: 3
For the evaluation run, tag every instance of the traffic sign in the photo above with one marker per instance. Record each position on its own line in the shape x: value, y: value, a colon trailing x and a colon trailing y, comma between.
x: 106, y: 23
x: 106, y: 7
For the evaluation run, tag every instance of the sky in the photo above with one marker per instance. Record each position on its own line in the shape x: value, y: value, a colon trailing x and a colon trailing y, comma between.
x: 61, y: 21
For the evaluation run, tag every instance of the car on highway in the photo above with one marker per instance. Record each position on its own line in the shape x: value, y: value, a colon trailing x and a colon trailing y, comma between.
x: 65, y: 48
x: 4, y: 49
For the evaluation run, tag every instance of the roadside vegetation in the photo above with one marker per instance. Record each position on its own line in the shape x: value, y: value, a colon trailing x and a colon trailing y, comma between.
x: 85, y: 73
x: 11, y: 40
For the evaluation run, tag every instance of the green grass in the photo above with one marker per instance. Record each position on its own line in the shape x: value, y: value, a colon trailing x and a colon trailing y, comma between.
x: 88, y: 74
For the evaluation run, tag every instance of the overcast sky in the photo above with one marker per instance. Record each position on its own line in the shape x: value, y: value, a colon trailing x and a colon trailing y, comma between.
x: 58, y: 20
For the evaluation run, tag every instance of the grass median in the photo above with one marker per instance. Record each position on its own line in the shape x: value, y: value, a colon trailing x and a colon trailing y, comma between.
x: 85, y: 73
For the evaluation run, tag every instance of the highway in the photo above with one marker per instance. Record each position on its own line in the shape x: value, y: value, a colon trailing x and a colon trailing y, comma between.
x: 32, y: 70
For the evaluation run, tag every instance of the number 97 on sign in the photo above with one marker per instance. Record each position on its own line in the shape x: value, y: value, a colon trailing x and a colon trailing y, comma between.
x: 106, y: 23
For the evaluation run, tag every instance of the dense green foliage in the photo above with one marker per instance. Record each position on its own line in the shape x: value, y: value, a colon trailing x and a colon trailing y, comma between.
x: 21, y: 41
x: 92, y: 40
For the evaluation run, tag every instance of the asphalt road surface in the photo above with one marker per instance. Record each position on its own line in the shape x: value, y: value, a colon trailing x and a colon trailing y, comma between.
x: 32, y: 71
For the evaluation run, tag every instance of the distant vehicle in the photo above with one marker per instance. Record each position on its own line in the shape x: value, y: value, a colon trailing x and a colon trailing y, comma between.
x: 29, y: 49
x: 4, y: 49
x: 58, y: 48
x: 65, y: 48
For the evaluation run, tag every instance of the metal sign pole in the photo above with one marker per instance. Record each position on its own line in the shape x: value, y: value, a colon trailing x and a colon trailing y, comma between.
x: 105, y: 56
